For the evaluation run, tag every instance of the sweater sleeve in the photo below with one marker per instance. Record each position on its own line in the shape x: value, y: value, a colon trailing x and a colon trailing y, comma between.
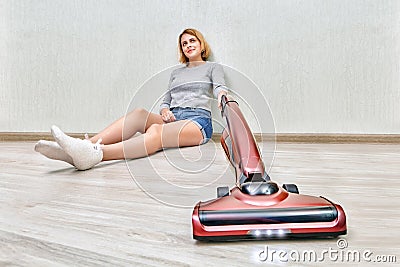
x: 218, y: 80
x: 166, y: 103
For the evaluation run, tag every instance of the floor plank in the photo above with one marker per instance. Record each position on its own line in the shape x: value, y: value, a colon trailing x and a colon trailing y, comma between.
x: 53, y: 215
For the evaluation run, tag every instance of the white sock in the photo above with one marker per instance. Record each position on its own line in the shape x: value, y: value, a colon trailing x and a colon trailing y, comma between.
x: 84, y: 153
x: 52, y: 150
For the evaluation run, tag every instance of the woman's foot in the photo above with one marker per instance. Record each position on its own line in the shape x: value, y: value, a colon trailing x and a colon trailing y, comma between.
x: 52, y: 150
x: 84, y: 154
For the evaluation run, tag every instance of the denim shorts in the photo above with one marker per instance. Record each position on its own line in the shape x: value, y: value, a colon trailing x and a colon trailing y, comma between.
x: 199, y: 116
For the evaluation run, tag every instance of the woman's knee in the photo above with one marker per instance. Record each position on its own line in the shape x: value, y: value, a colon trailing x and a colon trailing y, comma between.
x: 154, y: 128
x: 139, y: 111
x: 154, y: 133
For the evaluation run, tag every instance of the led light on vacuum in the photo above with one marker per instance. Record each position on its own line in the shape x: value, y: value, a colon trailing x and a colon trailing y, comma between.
x: 269, y: 232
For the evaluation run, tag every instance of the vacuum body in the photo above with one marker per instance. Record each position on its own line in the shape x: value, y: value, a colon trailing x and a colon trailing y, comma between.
x: 257, y: 208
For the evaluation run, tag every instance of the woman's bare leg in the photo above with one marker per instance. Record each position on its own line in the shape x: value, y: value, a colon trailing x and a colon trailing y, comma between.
x: 158, y: 136
x: 125, y: 127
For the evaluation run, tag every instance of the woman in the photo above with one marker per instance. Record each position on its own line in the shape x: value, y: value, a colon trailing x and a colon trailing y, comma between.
x: 184, y: 119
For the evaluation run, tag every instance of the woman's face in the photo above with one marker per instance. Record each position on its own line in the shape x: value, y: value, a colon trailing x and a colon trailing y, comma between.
x: 191, y: 47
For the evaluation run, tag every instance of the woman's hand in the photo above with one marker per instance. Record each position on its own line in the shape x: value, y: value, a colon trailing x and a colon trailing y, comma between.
x: 220, y: 97
x: 167, y: 115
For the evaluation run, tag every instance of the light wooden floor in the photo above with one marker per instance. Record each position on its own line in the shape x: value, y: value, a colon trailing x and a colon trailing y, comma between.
x: 53, y: 215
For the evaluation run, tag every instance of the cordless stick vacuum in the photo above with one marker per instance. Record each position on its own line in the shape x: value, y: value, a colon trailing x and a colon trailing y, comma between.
x: 257, y: 208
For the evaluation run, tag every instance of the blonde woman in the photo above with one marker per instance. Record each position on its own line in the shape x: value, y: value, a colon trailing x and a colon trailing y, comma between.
x: 184, y: 118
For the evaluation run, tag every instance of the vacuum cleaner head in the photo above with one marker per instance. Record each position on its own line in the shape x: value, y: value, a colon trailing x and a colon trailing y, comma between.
x: 266, y: 211
x: 257, y: 208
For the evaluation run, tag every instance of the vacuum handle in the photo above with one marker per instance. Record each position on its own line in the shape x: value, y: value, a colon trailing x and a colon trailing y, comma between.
x: 224, y: 102
x: 224, y: 99
x: 245, y: 152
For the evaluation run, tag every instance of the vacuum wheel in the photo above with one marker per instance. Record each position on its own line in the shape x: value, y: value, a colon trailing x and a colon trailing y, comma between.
x: 222, y: 191
x: 291, y: 188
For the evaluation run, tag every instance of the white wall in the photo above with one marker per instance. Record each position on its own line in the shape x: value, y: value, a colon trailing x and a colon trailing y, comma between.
x: 324, y: 66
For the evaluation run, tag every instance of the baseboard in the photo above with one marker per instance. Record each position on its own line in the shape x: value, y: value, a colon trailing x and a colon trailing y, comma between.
x: 326, y: 138
x: 339, y: 138
x: 29, y: 136
x: 280, y: 138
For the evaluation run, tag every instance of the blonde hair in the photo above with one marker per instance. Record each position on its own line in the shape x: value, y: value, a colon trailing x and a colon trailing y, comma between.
x: 205, y: 48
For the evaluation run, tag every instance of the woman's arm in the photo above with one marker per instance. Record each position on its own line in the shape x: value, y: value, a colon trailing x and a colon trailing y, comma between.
x: 165, y: 113
x: 218, y: 79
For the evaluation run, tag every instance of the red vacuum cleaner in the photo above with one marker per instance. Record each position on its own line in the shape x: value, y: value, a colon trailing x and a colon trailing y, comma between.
x: 257, y: 208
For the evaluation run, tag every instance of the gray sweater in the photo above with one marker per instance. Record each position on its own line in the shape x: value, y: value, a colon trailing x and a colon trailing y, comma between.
x: 194, y: 87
